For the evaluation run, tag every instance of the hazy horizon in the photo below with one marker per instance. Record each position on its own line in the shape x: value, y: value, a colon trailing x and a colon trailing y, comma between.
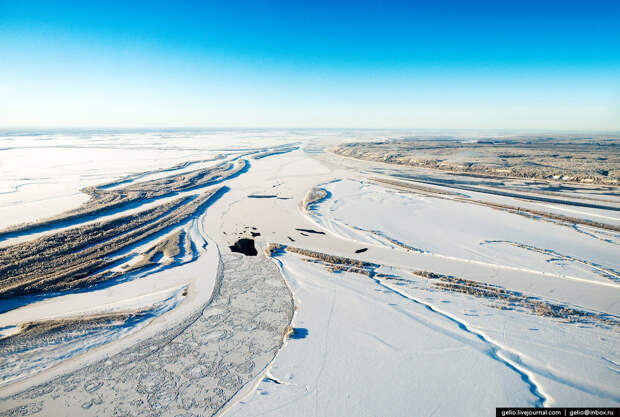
x: 430, y: 131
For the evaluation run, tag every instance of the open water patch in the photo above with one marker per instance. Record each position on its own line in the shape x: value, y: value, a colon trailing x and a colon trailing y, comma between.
x: 244, y: 246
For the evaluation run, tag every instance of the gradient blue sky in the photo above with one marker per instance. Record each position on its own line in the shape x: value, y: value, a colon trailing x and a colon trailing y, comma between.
x: 436, y: 64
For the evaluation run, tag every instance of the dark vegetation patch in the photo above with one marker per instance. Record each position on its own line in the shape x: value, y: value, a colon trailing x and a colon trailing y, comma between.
x: 508, y: 299
x: 275, y: 151
x: 174, y: 246
x: 564, y: 158
x: 103, y: 199
x: 331, y: 262
x: 82, y: 256
x: 32, y: 333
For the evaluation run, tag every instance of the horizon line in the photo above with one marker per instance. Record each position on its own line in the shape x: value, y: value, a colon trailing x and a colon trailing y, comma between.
x: 178, y: 128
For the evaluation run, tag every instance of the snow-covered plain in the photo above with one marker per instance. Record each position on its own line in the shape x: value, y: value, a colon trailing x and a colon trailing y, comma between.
x: 386, y: 346
x: 387, y: 342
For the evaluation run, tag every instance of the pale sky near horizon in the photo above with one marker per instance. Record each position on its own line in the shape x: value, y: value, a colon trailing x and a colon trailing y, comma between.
x: 442, y: 64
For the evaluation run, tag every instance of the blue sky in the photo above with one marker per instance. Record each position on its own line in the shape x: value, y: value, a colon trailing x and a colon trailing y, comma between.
x: 436, y: 64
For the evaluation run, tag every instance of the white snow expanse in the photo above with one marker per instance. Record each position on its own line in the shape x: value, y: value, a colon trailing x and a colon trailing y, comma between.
x: 387, y: 342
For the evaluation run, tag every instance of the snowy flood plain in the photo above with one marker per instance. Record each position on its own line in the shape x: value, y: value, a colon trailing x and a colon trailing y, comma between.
x: 375, y: 289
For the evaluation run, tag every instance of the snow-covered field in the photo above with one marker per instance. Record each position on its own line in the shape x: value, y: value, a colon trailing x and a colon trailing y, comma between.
x: 424, y: 301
